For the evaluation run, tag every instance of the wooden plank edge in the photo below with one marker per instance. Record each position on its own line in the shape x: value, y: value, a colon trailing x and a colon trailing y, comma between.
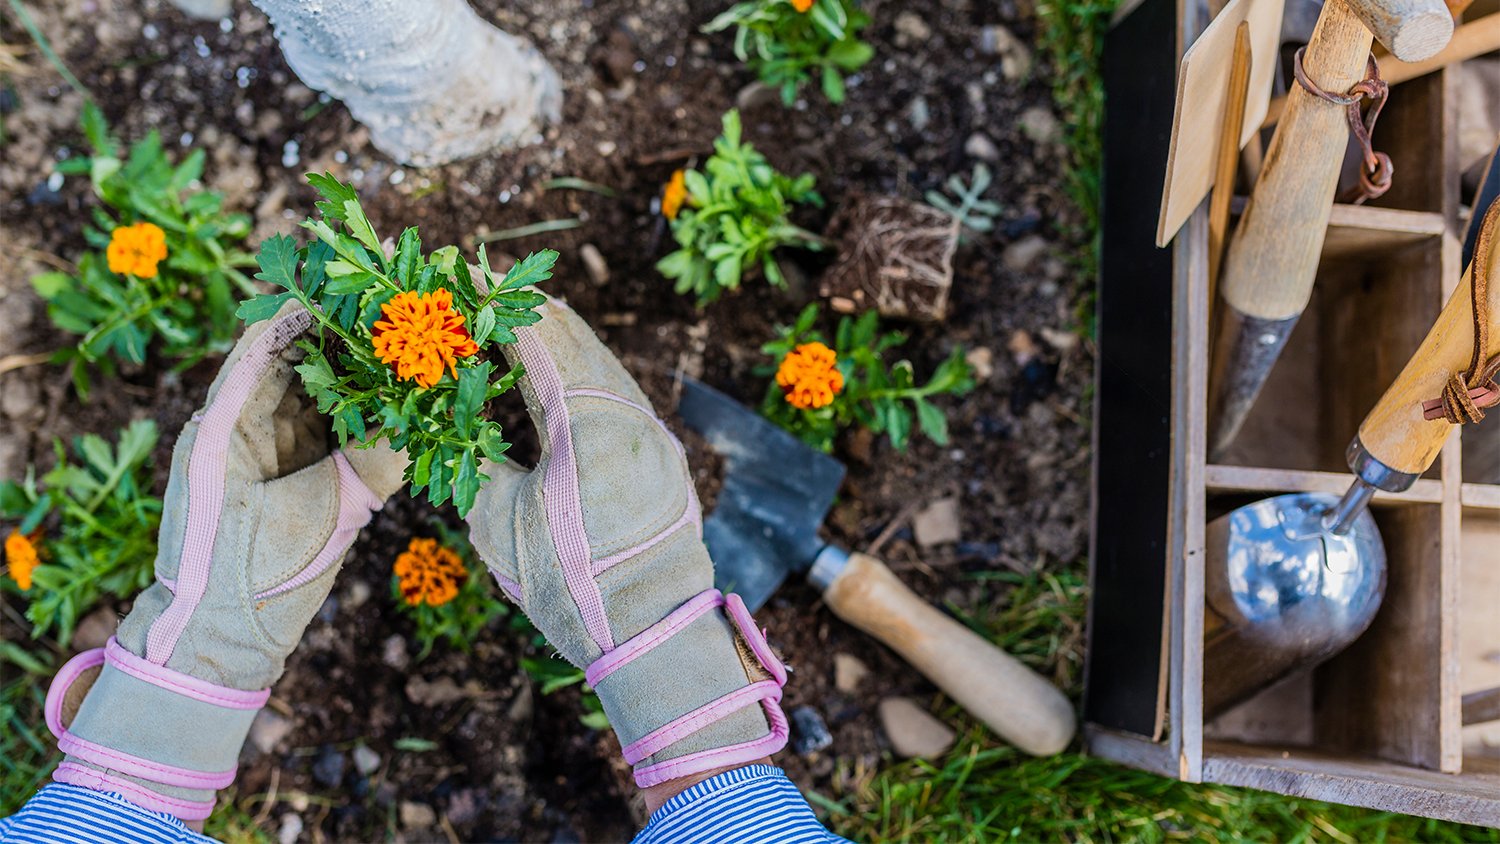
x: 1222, y: 478
x: 1130, y: 750
x: 1481, y: 496
x: 1386, y: 786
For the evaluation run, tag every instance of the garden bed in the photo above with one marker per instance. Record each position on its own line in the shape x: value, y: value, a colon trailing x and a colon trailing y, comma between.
x: 469, y: 735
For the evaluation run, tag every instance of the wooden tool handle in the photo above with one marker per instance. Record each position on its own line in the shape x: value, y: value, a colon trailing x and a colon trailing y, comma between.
x: 994, y: 686
x: 1395, y: 432
x: 1412, y: 30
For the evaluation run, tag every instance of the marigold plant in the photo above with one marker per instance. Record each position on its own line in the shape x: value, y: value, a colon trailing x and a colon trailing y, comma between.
x: 442, y: 586
x: 786, y: 42
x: 733, y: 216
x: 164, y: 272
x: 819, y: 390
x: 83, y: 530
x: 405, y: 346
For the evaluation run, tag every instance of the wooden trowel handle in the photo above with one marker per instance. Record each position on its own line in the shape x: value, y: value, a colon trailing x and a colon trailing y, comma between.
x: 1395, y: 432
x: 994, y: 686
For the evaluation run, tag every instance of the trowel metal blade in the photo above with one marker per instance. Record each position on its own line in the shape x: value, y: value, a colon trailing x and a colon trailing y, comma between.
x: 775, y: 493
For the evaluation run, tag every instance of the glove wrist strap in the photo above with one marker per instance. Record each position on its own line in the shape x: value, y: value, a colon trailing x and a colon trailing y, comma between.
x: 129, y: 735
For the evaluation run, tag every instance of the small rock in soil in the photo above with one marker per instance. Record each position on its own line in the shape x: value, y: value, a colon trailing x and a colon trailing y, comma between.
x: 357, y: 594
x: 464, y: 806
x: 911, y: 30
x: 937, y: 523
x: 436, y: 693
x: 1040, y: 125
x: 393, y: 653
x: 268, y: 729
x: 416, y: 815
x: 366, y: 761
x: 1024, y: 252
x: 1025, y: 224
x: 290, y: 829
x: 1015, y: 56
x: 1038, y: 380
x: 1063, y: 341
x: 981, y: 147
x: 1022, y: 348
x: 754, y: 95
x: 809, y: 733
x: 919, y: 113
x: 95, y: 629
x: 593, y: 263
x: 983, y: 362
x: 912, y: 731
x: 848, y: 672
x: 329, y: 769
x: 44, y: 194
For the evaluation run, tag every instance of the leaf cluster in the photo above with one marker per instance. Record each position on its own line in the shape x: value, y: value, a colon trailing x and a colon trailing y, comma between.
x: 343, y: 278
x: 28, y: 753
x: 458, y: 622
x: 786, y: 47
x: 975, y: 213
x: 98, y: 520
x: 553, y: 674
x: 187, y: 310
x: 735, y: 217
x: 883, y: 398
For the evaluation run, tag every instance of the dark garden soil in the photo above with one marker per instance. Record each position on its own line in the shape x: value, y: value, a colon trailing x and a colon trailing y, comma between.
x: 644, y: 94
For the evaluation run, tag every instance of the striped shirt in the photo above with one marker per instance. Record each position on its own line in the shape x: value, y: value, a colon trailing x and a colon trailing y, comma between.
x: 755, y: 804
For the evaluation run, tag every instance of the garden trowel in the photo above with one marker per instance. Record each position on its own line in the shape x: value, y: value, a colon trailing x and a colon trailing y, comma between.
x: 775, y: 493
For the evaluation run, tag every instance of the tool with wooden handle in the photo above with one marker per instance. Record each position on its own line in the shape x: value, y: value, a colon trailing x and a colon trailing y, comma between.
x: 764, y: 526
x: 1273, y: 257
x: 1292, y: 580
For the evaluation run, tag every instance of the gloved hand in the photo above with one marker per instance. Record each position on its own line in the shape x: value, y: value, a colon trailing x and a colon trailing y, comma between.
x: 254, y: 528
x: 601, y: 547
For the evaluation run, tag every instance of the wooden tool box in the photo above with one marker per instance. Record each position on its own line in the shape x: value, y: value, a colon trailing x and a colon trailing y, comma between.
x: 1380, y: 724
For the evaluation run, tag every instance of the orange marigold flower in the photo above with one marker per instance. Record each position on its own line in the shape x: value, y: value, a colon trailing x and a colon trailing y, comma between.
x: 136, y: 249
x: 809, y: 377
x: 22, y: 557
x: 802, y: 5
x: 673, y: 195
x: 421, y: 336
x: 429, y: 573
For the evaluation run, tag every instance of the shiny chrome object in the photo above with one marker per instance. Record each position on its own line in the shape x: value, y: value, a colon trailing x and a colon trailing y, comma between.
x: 1288, y: 591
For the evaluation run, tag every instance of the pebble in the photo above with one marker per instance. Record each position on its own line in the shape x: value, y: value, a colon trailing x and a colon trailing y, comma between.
x: 1023, y: 253
x: 44, y: 194
x: 268, y: 729
x: 393, y: 652
x: 290, y: 829
x: 1015, y: 56
x: 918, y: 113
x: 20, y: 397
x: 95, y: 629
x: 937, y: 523
x: 358, y: 593
x: 981, y: 147
x: 982, y: 360
x: 756, y: 94
x: 1063, y: 341
x: 593, y: 263
x: 848, y: 672
x: 809, y: 732
x: 436, y: 693
x: 911, y: 30
x: 329, y: 768
x: 366, y: 761
x: 416, y: 815
x: 1040, y: 125
x: 1025, y: 224
x: 912, y: 731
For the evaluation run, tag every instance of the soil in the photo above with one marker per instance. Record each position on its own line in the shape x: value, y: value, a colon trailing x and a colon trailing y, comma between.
x: 645, y: 92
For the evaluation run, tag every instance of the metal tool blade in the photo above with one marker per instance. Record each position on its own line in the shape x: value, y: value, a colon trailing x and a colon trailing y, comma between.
x: 775, y: 493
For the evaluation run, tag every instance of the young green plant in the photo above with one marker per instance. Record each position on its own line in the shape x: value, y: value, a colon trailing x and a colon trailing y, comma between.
x: 787, y: 42
x: 729, y: 219
x: 164, y: 271
x: 405, y: 346
x: 818, y: 391
x: 85, y: 530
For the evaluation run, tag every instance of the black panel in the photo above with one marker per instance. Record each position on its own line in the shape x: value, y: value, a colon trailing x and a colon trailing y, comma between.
x: 1134, y: 377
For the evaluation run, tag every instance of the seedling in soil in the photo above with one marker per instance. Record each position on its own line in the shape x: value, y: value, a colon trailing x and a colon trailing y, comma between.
x: 818, y: 391
x: 441, y: 585
x: 786, y: 42
x: 729, y: 219
x: 86, y: 530
x: 975, y: 213
x: 166, y: 270
x: 405, y: 346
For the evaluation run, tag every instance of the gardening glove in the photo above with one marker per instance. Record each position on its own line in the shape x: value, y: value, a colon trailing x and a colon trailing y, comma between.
x: 253, y: 530
x: 601, y: 547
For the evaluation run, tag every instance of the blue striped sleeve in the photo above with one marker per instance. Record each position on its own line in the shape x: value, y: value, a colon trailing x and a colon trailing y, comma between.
x: 67, y: 814
x: 755, y: 804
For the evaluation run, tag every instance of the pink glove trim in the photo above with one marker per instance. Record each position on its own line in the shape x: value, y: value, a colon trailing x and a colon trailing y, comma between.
x: 680, y: 728
x: 512, y: 588
x: 688, y: 517
x: 66, y: 677
x: 72, y: 773
x: 183, y: 684
x: 207, y: 472
x: 723, y: 757
x: 135, y: 766
x: 560, y: 489
x: 652, y: 636
x: 356, y: 503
